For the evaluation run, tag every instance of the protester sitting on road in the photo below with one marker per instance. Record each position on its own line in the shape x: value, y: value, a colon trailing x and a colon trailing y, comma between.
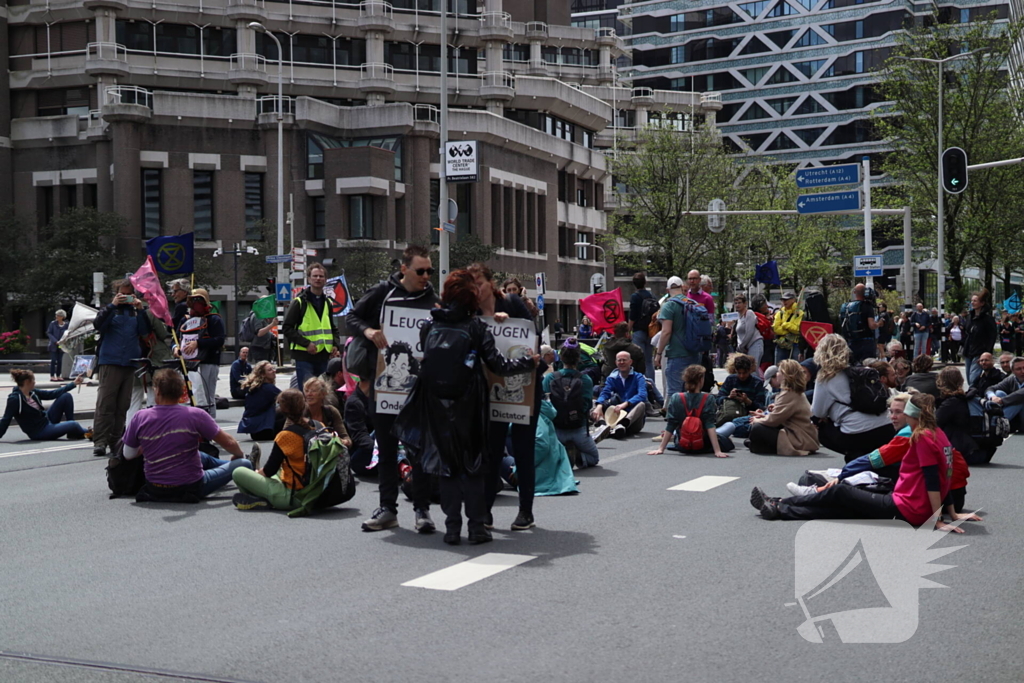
x: 621, y: 341
x: 240, y: 369
x: 901, y: 366
x: 739, y: 427
x: 786, y: 429
x: 338, y: 381
x: 742, y: 384
x: 923, y: 379
x: 886, y: 374
x: 811, y: 374
x: 621, y: 408
x: 697, y: 405
x: 840, y: 427
x: 894, y: 350
x: 259, y: 419
x: 167, y: 436
x: 988, y: 376
x: 953, y: 416
x: 921, y: 490
x: 285, y: 471
x: 25, y: 404
x: 359, y: 424
x: 571, y: 420
x: 554, y: 471
x: 1010, y: 394
x: 319, y: 409
x: 1005, y: 363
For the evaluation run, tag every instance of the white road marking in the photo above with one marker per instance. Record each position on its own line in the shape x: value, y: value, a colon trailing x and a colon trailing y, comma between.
x: 464, y: 573
x: 705, y: 483
x: 677, y: 536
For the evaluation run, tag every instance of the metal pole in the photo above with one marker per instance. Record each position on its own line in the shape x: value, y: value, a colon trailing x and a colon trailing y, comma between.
x: 442, y: 195
x: 238, y: 319
x: 866, y: 171
x: 280, y: 151
x: 941, y: 266
x: 908, y: 265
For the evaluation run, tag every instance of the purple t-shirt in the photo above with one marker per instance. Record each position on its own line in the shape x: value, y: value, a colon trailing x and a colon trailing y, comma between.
x: 708, y: 301
x: 168, y: 437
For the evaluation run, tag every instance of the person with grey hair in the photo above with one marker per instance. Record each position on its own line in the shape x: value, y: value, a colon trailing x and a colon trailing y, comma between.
x: 180, y: 289
x: 56, y: 329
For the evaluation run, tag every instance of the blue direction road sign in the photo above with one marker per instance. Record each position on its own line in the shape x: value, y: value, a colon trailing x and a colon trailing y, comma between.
x: 284, y: 291
x: 829, y: 202
x: 822, y: 176
x: 279, y: 258
x: 867, y: 266
x: 540, y: 301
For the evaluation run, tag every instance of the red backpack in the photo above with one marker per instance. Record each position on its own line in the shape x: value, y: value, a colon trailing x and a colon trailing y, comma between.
x: 691, y: 432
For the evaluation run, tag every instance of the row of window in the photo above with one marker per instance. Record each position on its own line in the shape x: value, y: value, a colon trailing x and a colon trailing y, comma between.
x: 51, y: 200
x: 316, y: 143
x: 854, y: 132
x: 518, y: 52
x: 856, y: 97
x: 552, y: 125
x: 175, y: 38
x: 202, y: 204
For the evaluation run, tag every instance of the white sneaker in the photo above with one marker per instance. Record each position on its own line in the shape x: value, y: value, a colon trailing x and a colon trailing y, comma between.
x: 601, y: 432
x: 798, y: 490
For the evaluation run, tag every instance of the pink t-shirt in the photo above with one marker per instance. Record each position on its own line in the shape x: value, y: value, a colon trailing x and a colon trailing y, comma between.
x: 168, y: 437
x: 708, y: 301
x: 910, y: 493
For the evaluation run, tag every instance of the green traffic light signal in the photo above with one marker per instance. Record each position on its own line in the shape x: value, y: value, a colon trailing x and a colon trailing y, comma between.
x: 954, y: 170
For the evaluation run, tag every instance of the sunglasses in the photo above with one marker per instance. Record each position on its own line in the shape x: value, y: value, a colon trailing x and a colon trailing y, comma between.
x: 424, y: 271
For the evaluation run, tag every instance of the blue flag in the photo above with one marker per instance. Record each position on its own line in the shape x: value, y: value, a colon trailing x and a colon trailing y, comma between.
x: 768, y: 273
x: 172, y: 255
x: 1012, y: 305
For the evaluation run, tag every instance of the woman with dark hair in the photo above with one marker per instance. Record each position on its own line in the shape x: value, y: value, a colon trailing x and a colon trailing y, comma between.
x: 26, y: 405
x: 953, y: 416
x: 923, y: 379
x: 885, y: 327
x: 502, y: 306
x: 445, y: 422
x: 979, y: 333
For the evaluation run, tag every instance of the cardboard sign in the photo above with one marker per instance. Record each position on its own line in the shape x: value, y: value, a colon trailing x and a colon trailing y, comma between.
x: 83, y: 365
x: 399, y: 363
x: 512, y: 397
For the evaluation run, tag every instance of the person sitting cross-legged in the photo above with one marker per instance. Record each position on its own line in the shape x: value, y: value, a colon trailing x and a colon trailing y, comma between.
x: 571, y: 420
x: 1009, y: 393
x: 683, y: 408
x: 787, y: 428
x: 622, y: 405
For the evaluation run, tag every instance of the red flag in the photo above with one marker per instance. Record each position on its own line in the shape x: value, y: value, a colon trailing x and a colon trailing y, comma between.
x: 604, y: 309
x: 813, y: 332
x: 147, y: 284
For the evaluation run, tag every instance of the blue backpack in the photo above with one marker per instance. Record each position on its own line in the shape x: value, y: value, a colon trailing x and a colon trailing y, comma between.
x: 698, y: 336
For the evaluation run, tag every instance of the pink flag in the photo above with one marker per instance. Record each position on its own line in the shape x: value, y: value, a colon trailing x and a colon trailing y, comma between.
x: 147, y: 284
x: 604, y: 309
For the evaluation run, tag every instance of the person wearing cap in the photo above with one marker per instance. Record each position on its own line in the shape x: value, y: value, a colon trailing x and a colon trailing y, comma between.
x: 121, y: 325
x: 240, y: 369
x: 671, y: 342
x: 310, y: 327
x: 201, y: 340
x: 787, y: 328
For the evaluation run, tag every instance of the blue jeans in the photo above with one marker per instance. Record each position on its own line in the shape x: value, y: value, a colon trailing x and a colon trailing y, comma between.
x: 972, y: 369
x: 641, y: 339
x: 674, y: 371
x: 1009, y: 412
x: 304, y: 369
x: 921, y: 344
x: 61, y: 415
x: 56, y: 359
x: 740, y: 428
x: 580, y: 437
x: 782, y: 354
x: 217, y: 472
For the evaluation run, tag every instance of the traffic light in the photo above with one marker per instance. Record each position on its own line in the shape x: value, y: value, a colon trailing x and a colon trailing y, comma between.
x: 954, y: 170
x: 272, y: 284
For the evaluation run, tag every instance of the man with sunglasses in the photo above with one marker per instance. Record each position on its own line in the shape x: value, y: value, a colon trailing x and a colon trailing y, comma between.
x: 408, y: 288
x: 310, y: 328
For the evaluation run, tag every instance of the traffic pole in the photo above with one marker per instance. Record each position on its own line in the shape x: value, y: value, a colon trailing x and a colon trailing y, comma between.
x: 442, y: 203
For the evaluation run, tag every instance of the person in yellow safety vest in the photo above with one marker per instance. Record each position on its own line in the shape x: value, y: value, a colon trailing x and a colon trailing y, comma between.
x: 787, y: 328
x: 310, y: 327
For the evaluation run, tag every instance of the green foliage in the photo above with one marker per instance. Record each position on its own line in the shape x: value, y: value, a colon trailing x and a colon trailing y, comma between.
x: 13, y: 257
x: 14, y: 341
x: 75, y: 244
x: 467, y: 249
x: 364, y: 267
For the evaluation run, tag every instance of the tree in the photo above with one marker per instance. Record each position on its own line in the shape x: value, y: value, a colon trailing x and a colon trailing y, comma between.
x: 980, y: 115
x: 71, y: 248
x: 13, y: 258
x: 364, y: 267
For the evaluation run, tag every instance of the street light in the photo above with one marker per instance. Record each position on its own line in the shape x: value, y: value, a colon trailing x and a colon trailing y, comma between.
x: 236, y: 252
x: 603, y: 257
x: 941, y: 268
x: 257, y: 26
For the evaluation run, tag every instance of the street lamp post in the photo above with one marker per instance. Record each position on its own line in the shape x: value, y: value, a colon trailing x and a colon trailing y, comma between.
x: 940, y: 200
x: 236, y: 252
x: 257, y: 26
x: 603, y: 256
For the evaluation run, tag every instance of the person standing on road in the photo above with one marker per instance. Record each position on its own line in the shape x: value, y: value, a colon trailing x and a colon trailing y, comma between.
x: 25, y: 404
x: 179, y: 299
x: 857, y: 321
x: 410, y: 288
x: 310, y: 327
x: 672, y: 343
x: 201, y: 340
x: 979, y: 333
x: 240, y: 369
x: 885, y: 328
x: 920, y: 323
x: 54, y: 331
x: 121, y: 324
x: 640, y: 315
x: 748, y: 339
x: 787, y: 328
x: 260, y: 335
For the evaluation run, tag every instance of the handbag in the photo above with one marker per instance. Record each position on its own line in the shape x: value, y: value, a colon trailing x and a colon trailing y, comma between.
x: 730, y: 409
x: 361, y: 357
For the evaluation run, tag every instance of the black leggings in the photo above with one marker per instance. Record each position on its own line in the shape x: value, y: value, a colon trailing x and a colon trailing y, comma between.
x: 853, y: 446
x: 764, y: 439
x: 841, y: 501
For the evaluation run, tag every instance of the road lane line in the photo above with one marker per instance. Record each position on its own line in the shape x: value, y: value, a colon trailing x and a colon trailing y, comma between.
x: 464, y: 573
x: 705, y: 483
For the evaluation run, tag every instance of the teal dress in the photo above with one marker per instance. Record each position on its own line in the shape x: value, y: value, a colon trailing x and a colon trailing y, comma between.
x: 554, y: 473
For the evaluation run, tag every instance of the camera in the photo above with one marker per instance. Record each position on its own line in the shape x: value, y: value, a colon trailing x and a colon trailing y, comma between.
x: 129, y: 298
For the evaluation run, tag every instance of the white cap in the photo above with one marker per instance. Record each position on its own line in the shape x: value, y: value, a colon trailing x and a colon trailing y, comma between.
x: 675, y: 282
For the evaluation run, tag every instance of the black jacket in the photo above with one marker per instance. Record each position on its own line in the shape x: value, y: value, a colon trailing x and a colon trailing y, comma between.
x: 954, y: 419
x: 987, y: 379
x: 369, y: 310
x: 359, y: 420
x: 979, y: 333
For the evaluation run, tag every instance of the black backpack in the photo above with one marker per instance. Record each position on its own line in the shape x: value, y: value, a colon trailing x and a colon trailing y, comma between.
x: 567, y: 396
x: 648, y: 309
x: 449, y: 360
x: 867, y: 394
x: 124, y: 477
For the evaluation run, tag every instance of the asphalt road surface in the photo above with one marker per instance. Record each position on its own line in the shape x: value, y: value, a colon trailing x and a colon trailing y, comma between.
x: 627, y: 581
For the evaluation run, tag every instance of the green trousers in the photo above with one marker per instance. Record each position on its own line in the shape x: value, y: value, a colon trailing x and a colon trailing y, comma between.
x: 270, y: 489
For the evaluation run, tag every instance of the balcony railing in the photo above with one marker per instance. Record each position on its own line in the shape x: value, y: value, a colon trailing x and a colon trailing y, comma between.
x: 426, y: 113
x: 245, y: 61
x: 377, y: 71
x: 128, y: 94
x: 255, y: 4
x: 501, y: 20
x: 604, y: 32
x: 107, y: 51
x: 375, y: 9
x: 271, y: 104
x: 710, y: 97
x: 499, y: 79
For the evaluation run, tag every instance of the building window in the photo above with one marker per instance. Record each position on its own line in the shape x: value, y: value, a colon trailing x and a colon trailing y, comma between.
x: 202, y: 204
x: 44, y: 205
x: 89, y: 196
x: 581, y: 252
x: 319, y: 218
x: 253, y: 206
x: 69, y: 198
x: 150, y: 202
x: 360, y: 217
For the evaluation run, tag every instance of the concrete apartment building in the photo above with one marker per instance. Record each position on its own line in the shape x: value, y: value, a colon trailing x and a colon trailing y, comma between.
x: 165, y: 112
